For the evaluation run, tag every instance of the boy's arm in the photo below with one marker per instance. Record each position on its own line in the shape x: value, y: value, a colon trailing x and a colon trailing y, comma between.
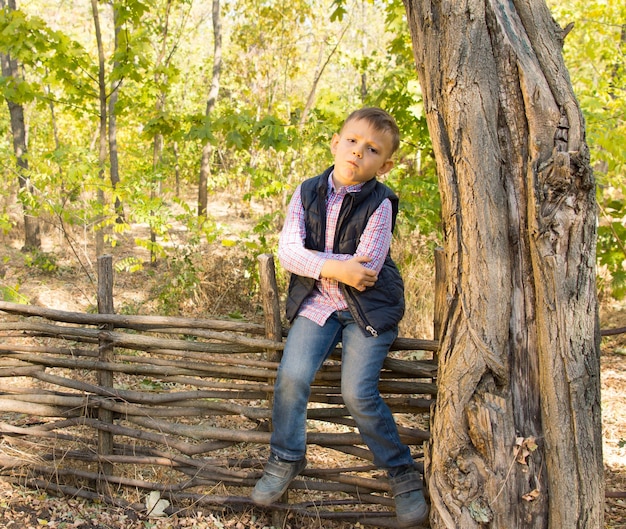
x: 351, y: 272
x: 292, y: 254
x: 361, y: 270
x: 345, y: 268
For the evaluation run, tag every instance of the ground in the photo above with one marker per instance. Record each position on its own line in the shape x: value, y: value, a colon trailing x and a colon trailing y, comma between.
x: 613, y: 373
x: 69, y: 289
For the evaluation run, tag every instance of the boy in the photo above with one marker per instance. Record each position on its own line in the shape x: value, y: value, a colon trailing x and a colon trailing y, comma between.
x: 344, y: 287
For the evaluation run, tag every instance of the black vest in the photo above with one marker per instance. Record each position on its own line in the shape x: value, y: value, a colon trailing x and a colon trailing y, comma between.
x: 378, y: 308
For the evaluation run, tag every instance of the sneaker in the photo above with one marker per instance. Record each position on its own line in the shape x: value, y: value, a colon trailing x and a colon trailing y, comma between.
x: 411, y: 507
x: 277, y: 475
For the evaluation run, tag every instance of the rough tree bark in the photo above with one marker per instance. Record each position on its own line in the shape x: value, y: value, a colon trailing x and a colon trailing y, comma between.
x: 10, y: 69
x: 516, y: 434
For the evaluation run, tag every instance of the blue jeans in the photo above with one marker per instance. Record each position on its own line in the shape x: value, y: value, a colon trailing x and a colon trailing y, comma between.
x: 307, y: 346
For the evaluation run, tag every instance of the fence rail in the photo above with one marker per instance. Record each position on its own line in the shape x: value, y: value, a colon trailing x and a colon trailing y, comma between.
x: 112, y: 406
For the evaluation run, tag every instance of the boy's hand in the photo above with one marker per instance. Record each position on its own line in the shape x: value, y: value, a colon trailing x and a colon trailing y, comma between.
x: 351, y: 272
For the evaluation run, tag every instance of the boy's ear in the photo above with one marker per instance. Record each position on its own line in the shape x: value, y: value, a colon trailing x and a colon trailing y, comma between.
x: 385, y: 168
x: 333, y: 143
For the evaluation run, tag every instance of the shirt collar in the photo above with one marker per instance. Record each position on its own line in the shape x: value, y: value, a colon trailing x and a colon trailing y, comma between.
x: 345, y: 189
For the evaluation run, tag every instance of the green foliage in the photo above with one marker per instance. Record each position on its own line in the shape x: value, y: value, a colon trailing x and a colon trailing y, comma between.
x: 167, y: 123
x: 201, y: 128
x: 199, y: 229
x: 272, y: 133
x: 6, y: 225
x: 11, y: 294
x: 45, y: 262
x: 52, y: 58
x: 339, y: 11
x: 420, y: 206
x: 261, y: 145
x: 182, y: 283
x: 612, y: 254
x: 129, y: 264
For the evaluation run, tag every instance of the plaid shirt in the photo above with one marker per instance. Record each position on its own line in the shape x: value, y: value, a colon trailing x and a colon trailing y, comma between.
x: 375, y: 241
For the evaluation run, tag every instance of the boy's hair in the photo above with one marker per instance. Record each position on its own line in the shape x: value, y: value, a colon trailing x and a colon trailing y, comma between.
x: 381, y: 121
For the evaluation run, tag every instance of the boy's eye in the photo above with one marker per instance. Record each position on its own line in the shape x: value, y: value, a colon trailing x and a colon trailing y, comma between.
x: 373, y: 150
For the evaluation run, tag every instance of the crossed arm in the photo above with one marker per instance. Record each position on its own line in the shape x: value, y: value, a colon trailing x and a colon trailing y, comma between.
x: 359, y: 270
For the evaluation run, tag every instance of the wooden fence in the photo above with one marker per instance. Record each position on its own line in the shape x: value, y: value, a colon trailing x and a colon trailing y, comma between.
x: 113, y: 407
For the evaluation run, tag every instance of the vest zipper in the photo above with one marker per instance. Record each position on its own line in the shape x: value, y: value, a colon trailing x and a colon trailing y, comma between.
x: 355, y: 310
x: 372, y: 331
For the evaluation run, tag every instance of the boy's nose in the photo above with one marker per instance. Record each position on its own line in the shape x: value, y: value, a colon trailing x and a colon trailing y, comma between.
x: 357, y: 153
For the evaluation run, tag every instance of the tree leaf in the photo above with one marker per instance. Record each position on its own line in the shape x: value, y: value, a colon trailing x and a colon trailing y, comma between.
x: 155, y: 505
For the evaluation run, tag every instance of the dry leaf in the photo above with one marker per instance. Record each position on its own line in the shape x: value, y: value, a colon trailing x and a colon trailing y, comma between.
x: 524, y: 449
x: 532, y: 495
x: 531, y: 444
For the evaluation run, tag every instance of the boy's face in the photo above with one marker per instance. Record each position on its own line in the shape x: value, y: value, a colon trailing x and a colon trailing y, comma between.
x: 361, y: 153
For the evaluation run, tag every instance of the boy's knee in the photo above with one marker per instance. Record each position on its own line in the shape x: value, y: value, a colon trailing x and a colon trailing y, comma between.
x: 356, y: 399
x: 292, y: 384
x: 291, y: 376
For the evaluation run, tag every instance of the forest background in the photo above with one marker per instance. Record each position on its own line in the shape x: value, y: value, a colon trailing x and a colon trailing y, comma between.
x: 131, y: 106
x: 172, y: 133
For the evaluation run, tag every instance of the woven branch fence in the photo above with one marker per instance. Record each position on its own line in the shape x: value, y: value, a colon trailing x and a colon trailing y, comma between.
x: 112, y: 407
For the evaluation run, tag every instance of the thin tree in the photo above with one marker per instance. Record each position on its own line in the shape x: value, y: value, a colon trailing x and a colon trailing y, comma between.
x: 516, y: 434
x: 167, y: 44
x: 10, y: 70
x: 159, y: 78
x: 207, y: 149
x: 114, y: 169
x: 102, y: 128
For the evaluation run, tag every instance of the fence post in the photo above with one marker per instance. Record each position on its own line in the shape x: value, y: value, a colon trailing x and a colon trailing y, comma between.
x: 273, y: 331
x: 271, y: 302
x: 440, y: 292
x: 105, y: 354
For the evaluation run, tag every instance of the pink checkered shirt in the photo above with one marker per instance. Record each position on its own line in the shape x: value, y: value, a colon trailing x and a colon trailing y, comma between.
x: 375, y: 241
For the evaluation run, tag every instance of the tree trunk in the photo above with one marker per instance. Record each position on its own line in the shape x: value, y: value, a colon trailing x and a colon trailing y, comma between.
x: 102, y: 151
x: 176, y: 167
x: 114, y: 169
x: 516, y: 433
x: 10, y: 69
x: 205, y: 165
x: 157, y: 150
